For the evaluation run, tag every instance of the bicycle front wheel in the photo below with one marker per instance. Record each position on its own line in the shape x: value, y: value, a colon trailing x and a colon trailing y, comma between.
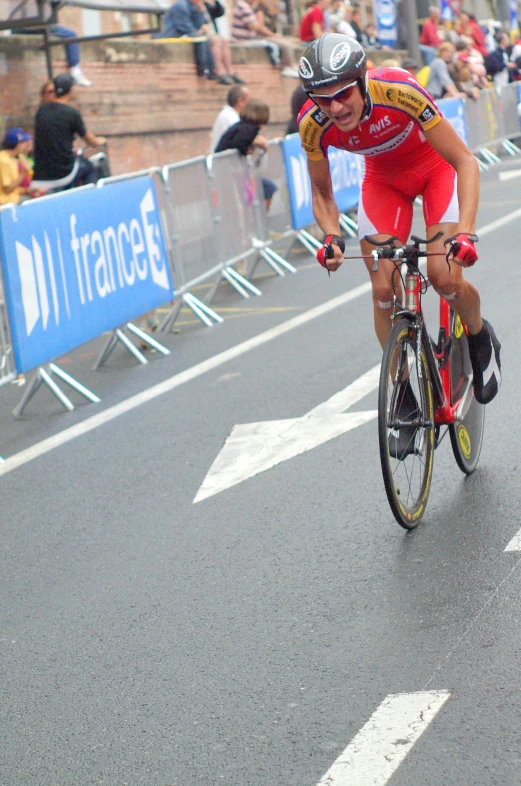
x: 406, y: 424
x: 466, y: 435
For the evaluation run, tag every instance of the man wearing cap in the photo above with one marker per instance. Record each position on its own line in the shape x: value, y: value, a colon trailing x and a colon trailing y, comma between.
x: 56, y: 125
x: 13, y: 171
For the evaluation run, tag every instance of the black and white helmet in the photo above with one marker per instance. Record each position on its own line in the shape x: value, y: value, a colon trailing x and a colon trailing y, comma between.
x: 330, y: 59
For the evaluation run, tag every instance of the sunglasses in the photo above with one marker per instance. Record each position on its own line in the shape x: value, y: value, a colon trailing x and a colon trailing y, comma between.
x: 325, y: 100
x: 49, y: 90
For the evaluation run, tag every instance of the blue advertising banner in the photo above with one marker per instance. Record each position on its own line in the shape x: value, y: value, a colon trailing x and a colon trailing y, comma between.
x: 80, y: 263
x: 384, y: 12
x: 454, y: 110
x: 345, y: 178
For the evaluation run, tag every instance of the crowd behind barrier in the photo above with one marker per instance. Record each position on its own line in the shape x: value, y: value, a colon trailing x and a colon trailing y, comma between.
x: 83, y: 262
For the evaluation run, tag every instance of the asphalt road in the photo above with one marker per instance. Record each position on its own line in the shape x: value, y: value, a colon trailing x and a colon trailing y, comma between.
x: 245, y: 639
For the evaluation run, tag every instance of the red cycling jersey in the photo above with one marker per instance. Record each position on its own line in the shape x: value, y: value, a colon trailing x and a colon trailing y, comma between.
x: 399, y: 163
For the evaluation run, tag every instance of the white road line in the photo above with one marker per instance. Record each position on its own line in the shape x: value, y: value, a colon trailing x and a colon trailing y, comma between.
x: 499, y: 223
x: 177, y: 380
x: 384, y: 741
x: 510, y: 175
x: 41, y: 448
x: 515, y: 543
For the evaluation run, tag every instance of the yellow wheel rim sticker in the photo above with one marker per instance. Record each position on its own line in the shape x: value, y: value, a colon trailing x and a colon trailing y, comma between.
x: 458, y: 328
x: 464, y: 441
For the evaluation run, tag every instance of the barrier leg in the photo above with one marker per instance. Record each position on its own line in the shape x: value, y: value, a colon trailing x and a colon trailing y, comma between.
x: 239, y: 283
x: 59, y: 372
x: 119, y: 335
x: 168, y: 323
x: 481, y: 164
x: 268, y: 252
x: 308, y: 241
x: 147, y: 339
x: 41, y: 375
x: 489, y: 156
x: 512, y: 150
x: 201, y: 310
x: 349, y: 226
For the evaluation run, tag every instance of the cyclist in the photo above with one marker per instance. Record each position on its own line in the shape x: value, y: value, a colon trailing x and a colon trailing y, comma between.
x: 409, y: 149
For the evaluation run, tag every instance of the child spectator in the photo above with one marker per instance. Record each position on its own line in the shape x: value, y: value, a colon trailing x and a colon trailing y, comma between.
x: 13, y: 172
x: 244, y: 136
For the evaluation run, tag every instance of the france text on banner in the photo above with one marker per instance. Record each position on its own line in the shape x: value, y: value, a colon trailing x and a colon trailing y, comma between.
x: 80, y: 263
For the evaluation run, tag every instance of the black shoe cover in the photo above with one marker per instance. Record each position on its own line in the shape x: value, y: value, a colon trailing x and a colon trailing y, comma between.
x: 486, y: 364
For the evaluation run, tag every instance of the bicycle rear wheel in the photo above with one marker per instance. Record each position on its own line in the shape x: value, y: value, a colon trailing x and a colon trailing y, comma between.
x: 406, y: 463
x: 466, y: 435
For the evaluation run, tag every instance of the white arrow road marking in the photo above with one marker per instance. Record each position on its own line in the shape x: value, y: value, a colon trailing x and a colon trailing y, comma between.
x: 381, y: 745
x: 255, y: 447
x: 515, y: 543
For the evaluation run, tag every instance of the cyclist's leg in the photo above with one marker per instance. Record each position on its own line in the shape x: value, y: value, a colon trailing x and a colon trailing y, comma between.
x: 441, y: 212
x: 383, y: 212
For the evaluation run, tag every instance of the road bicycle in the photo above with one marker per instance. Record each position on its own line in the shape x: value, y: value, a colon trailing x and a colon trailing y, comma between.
x: 424, y: 386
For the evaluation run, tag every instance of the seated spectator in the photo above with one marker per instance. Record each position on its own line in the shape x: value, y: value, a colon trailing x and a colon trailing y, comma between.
x: 244, y: 136
x: 466, y: 25
x: 313, y: 23
x: 298, y: 99
x: 344, y: 26
x: 356, y: 22
x: 230, y: 114
x: 248, y: 31
x: 55, y: 126
x: 72, y: 50
x: 429, y: 39
x: 460, y: 72
x: 369, y: 38
x: 47, y: 92
x: 410, y: 65
x: 441, y: 84
x: 188, y: 18
x: 497, y: 63
x: 267, y: 13
x: 219, y: 32
x: 446, y: 32
x: 14, y: 171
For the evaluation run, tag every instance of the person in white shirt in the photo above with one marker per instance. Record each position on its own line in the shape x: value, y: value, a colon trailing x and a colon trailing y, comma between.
x: 237, y: 97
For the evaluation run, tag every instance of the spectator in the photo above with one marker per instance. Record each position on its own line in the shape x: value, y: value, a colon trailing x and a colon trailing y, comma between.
x: 446, y: 32
x: 248, y: 31
x: 468, y: 26
x: 410, y: 65
x: 187, y: 18
x: 356, y: 23
x: 72, y: 50
x: 313, y: 23
x: 460, y: 72
x: 55, y: 127
x: 344, y: 26
x: 267, y: 13
x: 429, y: 39
x: 369, y: 38
x: 219, y: 32
x: 298, y: 99
x: 13, y: 171
x: 230, y: 114
x: 441, y: 84
x: 47, y: 92
x: 498, y: 65
x: 244, y: 136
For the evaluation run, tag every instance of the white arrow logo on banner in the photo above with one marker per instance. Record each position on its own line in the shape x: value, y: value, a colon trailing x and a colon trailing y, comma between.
x: 252, y: 448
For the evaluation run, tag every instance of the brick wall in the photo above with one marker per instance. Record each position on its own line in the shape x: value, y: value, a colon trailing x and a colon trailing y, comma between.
x: 146, y: 98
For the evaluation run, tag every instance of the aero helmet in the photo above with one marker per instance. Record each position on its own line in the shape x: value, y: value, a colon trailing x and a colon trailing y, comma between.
x: 330, y: 59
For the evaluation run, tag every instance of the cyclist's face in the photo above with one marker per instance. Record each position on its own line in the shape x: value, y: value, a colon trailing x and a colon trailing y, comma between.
x: 345, y: 106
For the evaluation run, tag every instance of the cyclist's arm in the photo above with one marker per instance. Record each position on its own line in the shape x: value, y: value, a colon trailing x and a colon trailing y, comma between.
x: 325, y: 208
x: 453, y: 149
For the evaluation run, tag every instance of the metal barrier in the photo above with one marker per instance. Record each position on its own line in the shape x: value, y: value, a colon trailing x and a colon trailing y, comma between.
x: 215, y: 219
x: 493, y: 120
